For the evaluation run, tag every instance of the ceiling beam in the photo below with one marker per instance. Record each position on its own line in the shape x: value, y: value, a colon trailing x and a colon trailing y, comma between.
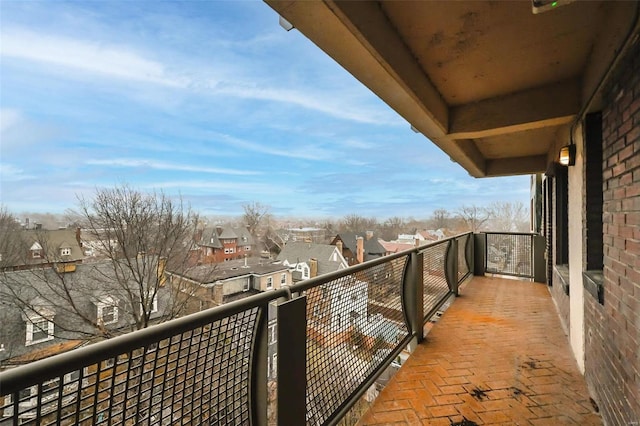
x: 359, y: 37
x: 367, y: 21
x: 550, y: 105
x: 516, y: 166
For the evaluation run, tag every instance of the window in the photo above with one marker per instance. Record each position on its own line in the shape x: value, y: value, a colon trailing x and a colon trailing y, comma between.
x: 305, y: 272
x: 39, y: 329
x: 247, y: 248
x: 229, y: 250
x: 593, y: 190
x: 283, y: 279
x: 36, y: 250
x: 65, y: 251
x: 272, y: 334
x: 154, y: 303
x: 562, y: 216
x: 107, y: 311
x: 269, y: 283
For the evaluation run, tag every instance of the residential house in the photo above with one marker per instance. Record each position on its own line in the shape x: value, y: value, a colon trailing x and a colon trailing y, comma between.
x: 216, y: 284
x: 222, y: 244
x: 308, y: 260
x: 306, y: 234
x: 49, y: 310
x: 358, y: 247
x: 38, y: 247
x: 391, y: 247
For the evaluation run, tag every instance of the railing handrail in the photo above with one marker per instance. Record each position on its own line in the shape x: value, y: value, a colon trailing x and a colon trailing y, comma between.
x: 21, y: 377
x: 32, y: 373
x: 29, y: 374
x: 325, y: 278
x: 508, y: 233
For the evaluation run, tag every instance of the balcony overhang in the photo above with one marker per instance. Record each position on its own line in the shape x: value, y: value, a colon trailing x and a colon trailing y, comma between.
x: 492, y: 84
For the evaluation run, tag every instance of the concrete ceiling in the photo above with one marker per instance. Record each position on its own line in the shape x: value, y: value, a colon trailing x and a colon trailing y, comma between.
x: 494, y: 85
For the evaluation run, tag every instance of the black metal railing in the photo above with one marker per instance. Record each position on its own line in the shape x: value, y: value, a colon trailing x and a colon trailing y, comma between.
x: 340, y: 331
x: 509, y: 253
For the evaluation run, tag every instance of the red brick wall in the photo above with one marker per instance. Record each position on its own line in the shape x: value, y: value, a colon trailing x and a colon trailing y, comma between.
x: 612, y: 359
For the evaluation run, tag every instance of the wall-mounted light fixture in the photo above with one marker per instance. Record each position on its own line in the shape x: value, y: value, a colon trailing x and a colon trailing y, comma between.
x: 568, y: 155
x: 288, y: 26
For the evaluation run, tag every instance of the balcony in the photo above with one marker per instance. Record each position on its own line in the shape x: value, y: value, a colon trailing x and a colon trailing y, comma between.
x: 499, y: 347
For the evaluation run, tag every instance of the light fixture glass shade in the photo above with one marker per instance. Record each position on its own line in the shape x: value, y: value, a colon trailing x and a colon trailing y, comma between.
x: 568, y: 155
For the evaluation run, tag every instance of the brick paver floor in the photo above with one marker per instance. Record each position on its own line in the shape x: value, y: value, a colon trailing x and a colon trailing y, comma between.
x: 498, y: 355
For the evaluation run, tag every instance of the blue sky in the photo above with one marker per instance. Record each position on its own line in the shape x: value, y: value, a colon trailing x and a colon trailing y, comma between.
x: 211, y: 100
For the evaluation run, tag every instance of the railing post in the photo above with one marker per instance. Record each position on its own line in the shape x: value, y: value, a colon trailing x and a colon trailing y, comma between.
x: 469, y: 253
x: 413, y: 287
x: 451, y: 265
x: 259, y: 393
x: 480, y: 254
x: 292, y: 361
x: 539, y: 262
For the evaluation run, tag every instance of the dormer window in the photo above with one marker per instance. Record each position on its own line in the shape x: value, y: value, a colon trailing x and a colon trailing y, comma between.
x: 39, y: 329
x: 107, y: 311
x: 36, y: 250
x: 65, y: 251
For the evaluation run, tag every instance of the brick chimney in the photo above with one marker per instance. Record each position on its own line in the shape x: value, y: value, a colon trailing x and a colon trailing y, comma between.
x: 339, y: 245
x: 218, y: 293
x: 219, y: 230
x: 313, y: 266
x: 360, y: 249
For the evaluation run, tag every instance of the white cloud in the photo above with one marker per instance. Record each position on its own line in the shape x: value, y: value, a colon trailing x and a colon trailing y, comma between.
x: 8, y: 119
x: 235, y: 188
x: 92, y: 57
x: 303, y: 153
x: 10, y: 173
x: 334, y: 105
x: 160, y: 165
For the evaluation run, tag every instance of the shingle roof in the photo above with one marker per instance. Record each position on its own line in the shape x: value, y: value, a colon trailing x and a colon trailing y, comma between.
x: 299, y: 251
x: 206, y: 274
x: 372, y: 248
x: 210, y: 238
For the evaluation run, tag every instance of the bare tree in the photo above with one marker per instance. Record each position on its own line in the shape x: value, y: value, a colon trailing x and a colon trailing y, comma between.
x: 440, y: 218
x: 509, y: 217
x: 357, y: 223
x: 12, y: 246
x: 392, y: 227
x: 254, y: 213
x: 140, y: 236
x: 474, y: 217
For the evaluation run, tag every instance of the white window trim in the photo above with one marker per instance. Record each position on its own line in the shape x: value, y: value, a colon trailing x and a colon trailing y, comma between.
x: 269, y: 283
x: 274, y: 368
x: 273, y: 336
x: 107, y: 303
x: 283, y: 279
x: 246, y: 286
x: 30, y: 324
x: 66, y: 251
x: 154, y: 303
